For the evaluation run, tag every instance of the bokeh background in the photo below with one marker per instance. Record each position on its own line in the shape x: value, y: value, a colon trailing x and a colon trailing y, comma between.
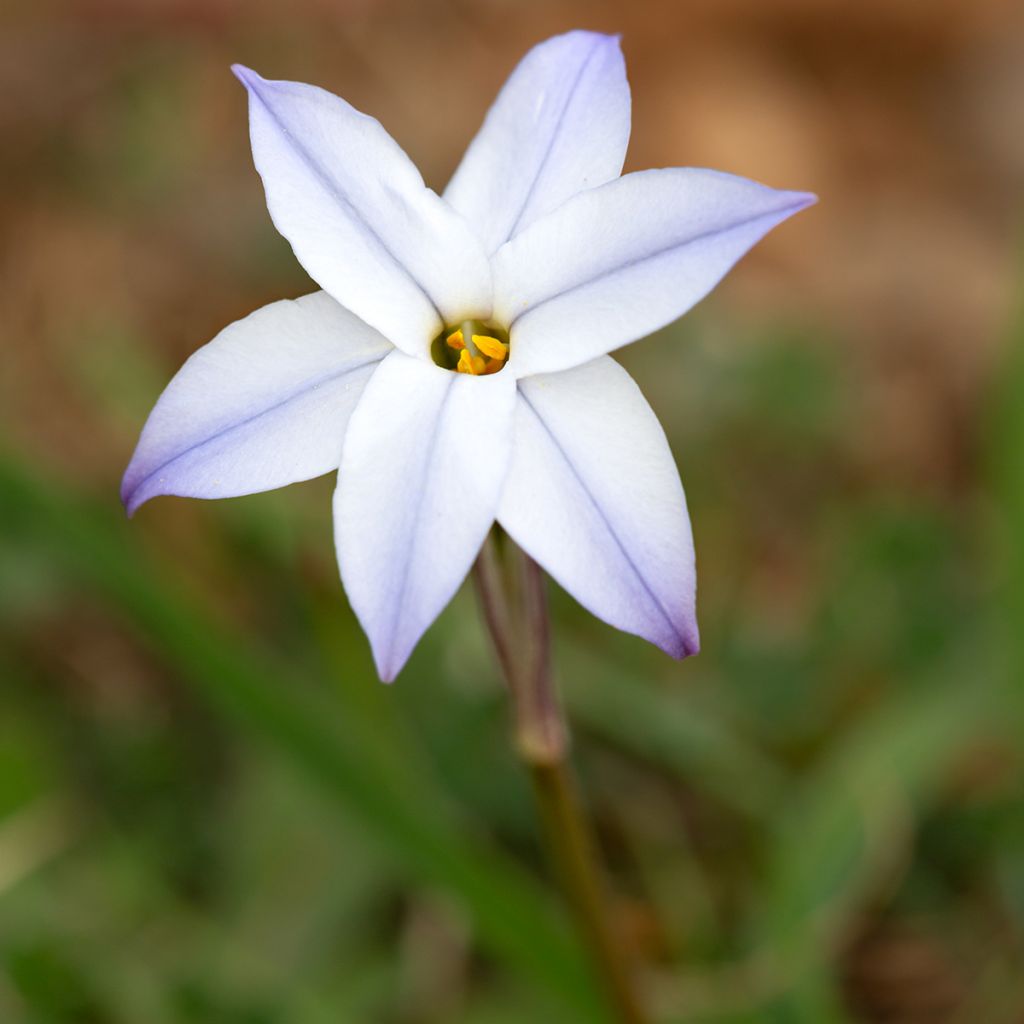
x: 211, y: 812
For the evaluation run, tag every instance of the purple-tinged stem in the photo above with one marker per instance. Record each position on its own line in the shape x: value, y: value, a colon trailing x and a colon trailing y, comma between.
x: 513, y: 598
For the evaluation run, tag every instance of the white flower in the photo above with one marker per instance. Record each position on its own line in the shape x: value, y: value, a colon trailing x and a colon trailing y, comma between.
x: 454, y: 368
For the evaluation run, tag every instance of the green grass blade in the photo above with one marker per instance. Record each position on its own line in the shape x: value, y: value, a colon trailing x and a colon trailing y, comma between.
x: 415, y: 827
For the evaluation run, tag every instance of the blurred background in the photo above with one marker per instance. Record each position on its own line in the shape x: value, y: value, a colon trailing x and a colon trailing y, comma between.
x: 212, y: 812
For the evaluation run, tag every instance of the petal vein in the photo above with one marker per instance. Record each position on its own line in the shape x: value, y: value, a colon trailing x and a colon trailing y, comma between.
x: 607, y: 523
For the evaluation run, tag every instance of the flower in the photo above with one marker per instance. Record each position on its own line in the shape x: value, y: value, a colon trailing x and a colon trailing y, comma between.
x: 454, y: 368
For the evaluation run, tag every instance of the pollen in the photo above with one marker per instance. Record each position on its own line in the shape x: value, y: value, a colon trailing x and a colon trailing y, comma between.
x: 471, y: 364
x: 497, y: 350
x: 473, y: 347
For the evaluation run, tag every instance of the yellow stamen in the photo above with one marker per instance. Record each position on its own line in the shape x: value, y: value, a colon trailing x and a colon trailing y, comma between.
x: 478, y: 354
x: 471, y: 364
x: 490, y: 346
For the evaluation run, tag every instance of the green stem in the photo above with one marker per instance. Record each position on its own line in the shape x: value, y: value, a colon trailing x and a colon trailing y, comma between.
x: 514, y: 603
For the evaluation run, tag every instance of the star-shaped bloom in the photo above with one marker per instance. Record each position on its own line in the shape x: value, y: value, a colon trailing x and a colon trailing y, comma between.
x: 454, y: 369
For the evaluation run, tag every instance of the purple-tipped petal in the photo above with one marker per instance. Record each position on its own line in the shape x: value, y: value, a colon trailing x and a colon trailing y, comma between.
x: 593, y: 495
x: 423, y: 463
x: 359, y: 217
x: 620, y: 261
x: 560, y: 124
x: 264, y: 404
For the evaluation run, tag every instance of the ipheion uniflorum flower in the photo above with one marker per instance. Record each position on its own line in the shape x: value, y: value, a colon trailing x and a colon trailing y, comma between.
x: 454, y: 368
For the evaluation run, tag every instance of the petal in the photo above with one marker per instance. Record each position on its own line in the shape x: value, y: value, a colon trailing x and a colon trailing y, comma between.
x: 593, y: 495
x: 559, y: 125
x: 617, y: 262
x: 262, y: 405
x: 359, y: 217
x: 422, y: 467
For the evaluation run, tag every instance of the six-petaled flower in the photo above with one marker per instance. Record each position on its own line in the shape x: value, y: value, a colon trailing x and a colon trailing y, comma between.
x: 454, y: 369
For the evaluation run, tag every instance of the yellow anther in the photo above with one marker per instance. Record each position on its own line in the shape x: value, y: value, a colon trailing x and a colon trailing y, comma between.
x: 471, y: 353
x: 491, y: 346
x: 471, y: 364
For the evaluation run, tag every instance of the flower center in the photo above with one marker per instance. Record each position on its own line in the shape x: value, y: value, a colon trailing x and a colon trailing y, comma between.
x: 472, y: 347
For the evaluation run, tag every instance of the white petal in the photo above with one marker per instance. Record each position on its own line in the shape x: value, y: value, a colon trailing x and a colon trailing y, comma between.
x: 620, y: 261
x: 559, y: 125
x: 359, y: 217
x: 264, y: 404
x: 593, y: 495
x: 422, y: 467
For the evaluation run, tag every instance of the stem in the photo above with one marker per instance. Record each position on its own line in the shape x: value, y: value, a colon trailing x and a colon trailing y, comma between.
x: 572, y: 848
x: 514, y: 603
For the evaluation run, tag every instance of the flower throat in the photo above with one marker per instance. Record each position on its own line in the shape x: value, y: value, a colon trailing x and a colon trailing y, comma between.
x: 473, y: 347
